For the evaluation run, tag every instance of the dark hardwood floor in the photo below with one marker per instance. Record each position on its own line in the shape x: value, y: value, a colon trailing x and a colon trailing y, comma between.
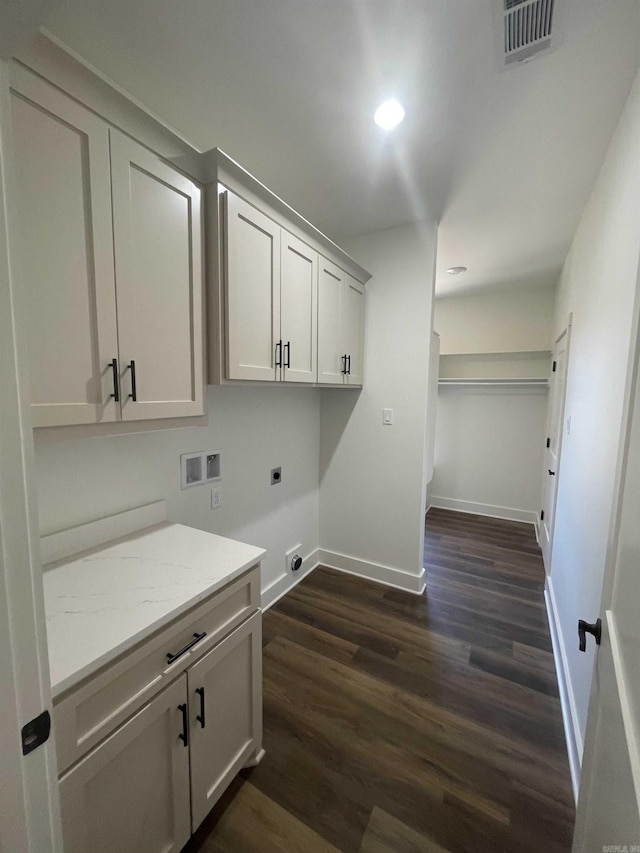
x: 396, y: 723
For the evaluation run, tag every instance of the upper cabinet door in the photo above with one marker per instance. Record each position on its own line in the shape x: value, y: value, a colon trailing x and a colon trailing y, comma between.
x: 64, y: 245
x: 252, y: 292
x: 158, y: 262
x: 354, y: 329
x: 298, y: 310
x: 331, y: 346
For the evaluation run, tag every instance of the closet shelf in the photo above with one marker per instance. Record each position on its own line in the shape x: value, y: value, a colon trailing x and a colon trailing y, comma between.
x: 515, y: 368
x: 538, y: 380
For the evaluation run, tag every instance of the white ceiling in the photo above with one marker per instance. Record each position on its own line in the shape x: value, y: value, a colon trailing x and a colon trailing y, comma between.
x: 504, y: 159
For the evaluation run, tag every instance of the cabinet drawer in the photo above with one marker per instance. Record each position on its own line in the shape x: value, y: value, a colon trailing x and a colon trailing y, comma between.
x: 88, y: 713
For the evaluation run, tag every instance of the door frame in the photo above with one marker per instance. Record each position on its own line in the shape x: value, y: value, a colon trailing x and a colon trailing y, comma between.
x: 562, y: 406
x: 29, y: 807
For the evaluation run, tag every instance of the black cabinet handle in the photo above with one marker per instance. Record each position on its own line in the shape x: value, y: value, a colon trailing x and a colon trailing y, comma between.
x: 586, y: 627
x: 279, y: 354
x: 134, y: 393
x: 171, y: 658
x: 116, y: 380
x: 184, y: 734
x: 551, y: 473
x: 200, y: 717
x: 349, y: 367
x: 344, y: 365
x: 287, y: 358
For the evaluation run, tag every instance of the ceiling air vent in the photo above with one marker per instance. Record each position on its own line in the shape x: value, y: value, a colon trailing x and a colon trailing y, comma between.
x: 527, y: 28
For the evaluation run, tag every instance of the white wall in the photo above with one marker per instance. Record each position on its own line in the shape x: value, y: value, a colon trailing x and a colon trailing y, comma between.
x: 597, y: 284
x: 499, y: 321
x: 372, y: 477
x: 490, y: 441
x: 255, y: 429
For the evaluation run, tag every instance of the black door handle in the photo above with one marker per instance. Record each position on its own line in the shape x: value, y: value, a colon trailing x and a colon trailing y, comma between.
x: 349, y: 367
x: 585, y: 628
x: 184, y: 734
x: 279, y: 354
x: 200, y: 717
x: 552, y: 473
x: 134, y: 393
x: 116, y: 380
x: 286, y: 354
x: 344, y: 364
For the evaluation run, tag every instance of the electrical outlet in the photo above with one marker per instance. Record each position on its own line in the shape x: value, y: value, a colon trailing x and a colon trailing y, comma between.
x: 216, y: 497
x: 289, y: 557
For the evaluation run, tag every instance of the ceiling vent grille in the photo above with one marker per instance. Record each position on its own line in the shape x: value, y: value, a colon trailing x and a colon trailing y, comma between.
x: 527, y: 28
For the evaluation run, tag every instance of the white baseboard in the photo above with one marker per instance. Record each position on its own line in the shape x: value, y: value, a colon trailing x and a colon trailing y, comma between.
x: 508, y: 513
x: 286, y: 582
x: 373, y: 571
x: 572, y: 731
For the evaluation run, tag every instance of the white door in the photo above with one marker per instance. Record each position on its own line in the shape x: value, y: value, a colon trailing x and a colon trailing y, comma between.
x: 252, y: 292
x: 298, y: 307
x: 63, y: 235
x: 331, y: 352
x: 354, y: 296
x: 131, y: 793
x: 225, y: 700
x: 29, y: 805
x: 608, y: 813
x: 158, y: 245
x: 555, y: 429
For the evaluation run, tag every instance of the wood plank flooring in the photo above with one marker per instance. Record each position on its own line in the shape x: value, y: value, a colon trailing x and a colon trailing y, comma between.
x: 404, y: 724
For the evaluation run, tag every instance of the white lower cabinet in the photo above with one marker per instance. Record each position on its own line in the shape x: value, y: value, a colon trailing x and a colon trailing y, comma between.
x: 131, y: 794
x: 225, y: 700
x: 149, y: 784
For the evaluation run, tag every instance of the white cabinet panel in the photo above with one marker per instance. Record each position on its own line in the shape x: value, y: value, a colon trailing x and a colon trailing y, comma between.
x: 252, y: 292
x: 225, y: 698
x: 331, y: 352
x: 65, y: 252
x: 354, y: 330
x: 131, y: 794
x: 298, y: 306
x: 157, y: 238
x: 340, y: 326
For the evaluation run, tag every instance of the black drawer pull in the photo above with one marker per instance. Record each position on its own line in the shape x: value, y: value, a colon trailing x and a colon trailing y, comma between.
x: 184, y: 734
x: 116, y: 380
x: 200, y: 717
x: 171, y: 658
x: 134, y: 392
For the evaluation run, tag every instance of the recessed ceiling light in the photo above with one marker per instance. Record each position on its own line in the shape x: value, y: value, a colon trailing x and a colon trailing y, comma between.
x: 389, y: 114
x: 456, y: 270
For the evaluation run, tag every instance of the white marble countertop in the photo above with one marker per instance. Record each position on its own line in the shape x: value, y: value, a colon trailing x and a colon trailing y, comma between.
x: 100, y: 603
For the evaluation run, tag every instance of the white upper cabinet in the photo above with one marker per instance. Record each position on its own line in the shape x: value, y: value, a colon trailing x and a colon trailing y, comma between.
x: 331, y: 351
x: 62, y: 225
x: 252, y: 292
x: 108, y: 241
x: 157, y: 239
x: 298, y: 310
x: 271, y: 281
x: 285, y: 303
x: 354, y: 330
x: 340, y: 327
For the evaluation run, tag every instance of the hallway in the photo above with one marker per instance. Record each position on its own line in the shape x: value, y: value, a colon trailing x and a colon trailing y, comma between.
x: 396, y: 723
